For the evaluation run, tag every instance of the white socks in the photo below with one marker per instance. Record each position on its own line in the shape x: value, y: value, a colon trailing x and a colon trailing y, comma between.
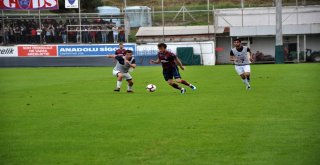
x: 245, y: 81
x: 119, y: 84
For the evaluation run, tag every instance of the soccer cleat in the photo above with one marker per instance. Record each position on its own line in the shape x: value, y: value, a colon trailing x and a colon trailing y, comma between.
x: 130, y: 91
x: 183, y: 91
x: 117, y: 90
x: 248, y: 87
x: 193, y: 87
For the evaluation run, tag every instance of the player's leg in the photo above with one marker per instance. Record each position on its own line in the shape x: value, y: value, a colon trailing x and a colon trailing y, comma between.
x: 247, y: 70
x: 184, y: 82
x: 176, y: 86
x: 128, y: 77
x: 119, y: 76
x: 130, y: 84
x: 168, y: 76
x: 241, y: 73
x: 177, y: 77
x: 119, y: 81
x: 245, y: 81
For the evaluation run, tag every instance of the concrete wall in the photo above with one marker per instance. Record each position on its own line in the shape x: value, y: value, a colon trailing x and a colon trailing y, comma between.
x: 223, y: 43
x: 266, y: 45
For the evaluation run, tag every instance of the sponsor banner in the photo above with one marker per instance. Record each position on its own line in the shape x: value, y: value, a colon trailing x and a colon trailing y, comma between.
x: 41, y: 50
x: 8, y: 51
x: 92, y: 50
x: 29, y: 5
x: 71, y: 3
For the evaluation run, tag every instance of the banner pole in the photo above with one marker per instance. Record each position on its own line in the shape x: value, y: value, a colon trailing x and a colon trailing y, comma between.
x: 279, y: 57
x: 40, y: 27
x: 3, y: 35
x: 162, y: 21
x: 80, y: 28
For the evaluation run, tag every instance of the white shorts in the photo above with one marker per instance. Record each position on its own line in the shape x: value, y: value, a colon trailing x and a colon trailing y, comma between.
x: 127, y: 76
x: 242, y: 69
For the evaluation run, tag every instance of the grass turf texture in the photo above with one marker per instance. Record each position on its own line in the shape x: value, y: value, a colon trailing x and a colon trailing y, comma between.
x: 72, y: 116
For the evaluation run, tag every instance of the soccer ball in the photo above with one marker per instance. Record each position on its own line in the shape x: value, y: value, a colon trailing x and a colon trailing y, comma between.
x: 151, y: 88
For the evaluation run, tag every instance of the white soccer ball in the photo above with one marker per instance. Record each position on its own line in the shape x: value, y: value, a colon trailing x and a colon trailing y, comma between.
x: 151, y: 88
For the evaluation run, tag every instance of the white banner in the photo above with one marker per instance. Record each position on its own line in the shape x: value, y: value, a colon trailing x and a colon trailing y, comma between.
x: 71, y: 4
x: 8, y: 51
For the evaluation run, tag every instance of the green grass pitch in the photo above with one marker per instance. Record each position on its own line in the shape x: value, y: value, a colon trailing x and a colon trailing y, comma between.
x: 71, y: 115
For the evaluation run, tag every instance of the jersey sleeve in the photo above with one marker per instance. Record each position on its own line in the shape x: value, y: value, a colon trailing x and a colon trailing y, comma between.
x: 133, y: 61
x: 120, y: 59
x: 231, y: 53
x: 248, y: 50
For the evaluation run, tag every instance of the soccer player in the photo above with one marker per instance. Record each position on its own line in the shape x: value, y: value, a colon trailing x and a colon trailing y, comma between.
x: 121, y: 51
x: 169, y: 63
x: 124, y: 63
x: 241, y: 61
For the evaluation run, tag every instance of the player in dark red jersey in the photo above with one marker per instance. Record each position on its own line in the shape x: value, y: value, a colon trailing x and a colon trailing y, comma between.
x: 169, y: 63
x: 121, y: 51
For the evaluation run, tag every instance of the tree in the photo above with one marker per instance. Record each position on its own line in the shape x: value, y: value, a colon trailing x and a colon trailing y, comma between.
x: 87, y: 6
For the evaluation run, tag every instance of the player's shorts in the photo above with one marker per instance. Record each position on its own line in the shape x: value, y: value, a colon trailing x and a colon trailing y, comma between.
x: 171, y: 73
x: 127, y: 76
x: 240, y: 69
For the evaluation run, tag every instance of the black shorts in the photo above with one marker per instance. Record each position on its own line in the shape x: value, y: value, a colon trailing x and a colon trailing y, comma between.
x: 171, y: 73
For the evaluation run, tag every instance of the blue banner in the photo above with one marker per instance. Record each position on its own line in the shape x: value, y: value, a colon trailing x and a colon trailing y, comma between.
x: 91, y: 50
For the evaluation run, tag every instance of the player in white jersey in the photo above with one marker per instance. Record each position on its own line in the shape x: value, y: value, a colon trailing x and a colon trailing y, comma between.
x: 121, y: 70
x: 241, y: 59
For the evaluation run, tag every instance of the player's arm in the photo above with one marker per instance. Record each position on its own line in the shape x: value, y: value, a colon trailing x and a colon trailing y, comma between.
x: 157, y: 61
x: 232, y: 57
x: 250, y: 55
x: 132, y: 64
x: 177, y: 60
x: 111, y: 56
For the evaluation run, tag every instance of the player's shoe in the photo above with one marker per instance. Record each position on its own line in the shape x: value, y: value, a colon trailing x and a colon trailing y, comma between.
x: 130, y: 91
x: 183, y: 91
x: 117, y: 90
x: 248, y: 87
x: 193, y: 87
